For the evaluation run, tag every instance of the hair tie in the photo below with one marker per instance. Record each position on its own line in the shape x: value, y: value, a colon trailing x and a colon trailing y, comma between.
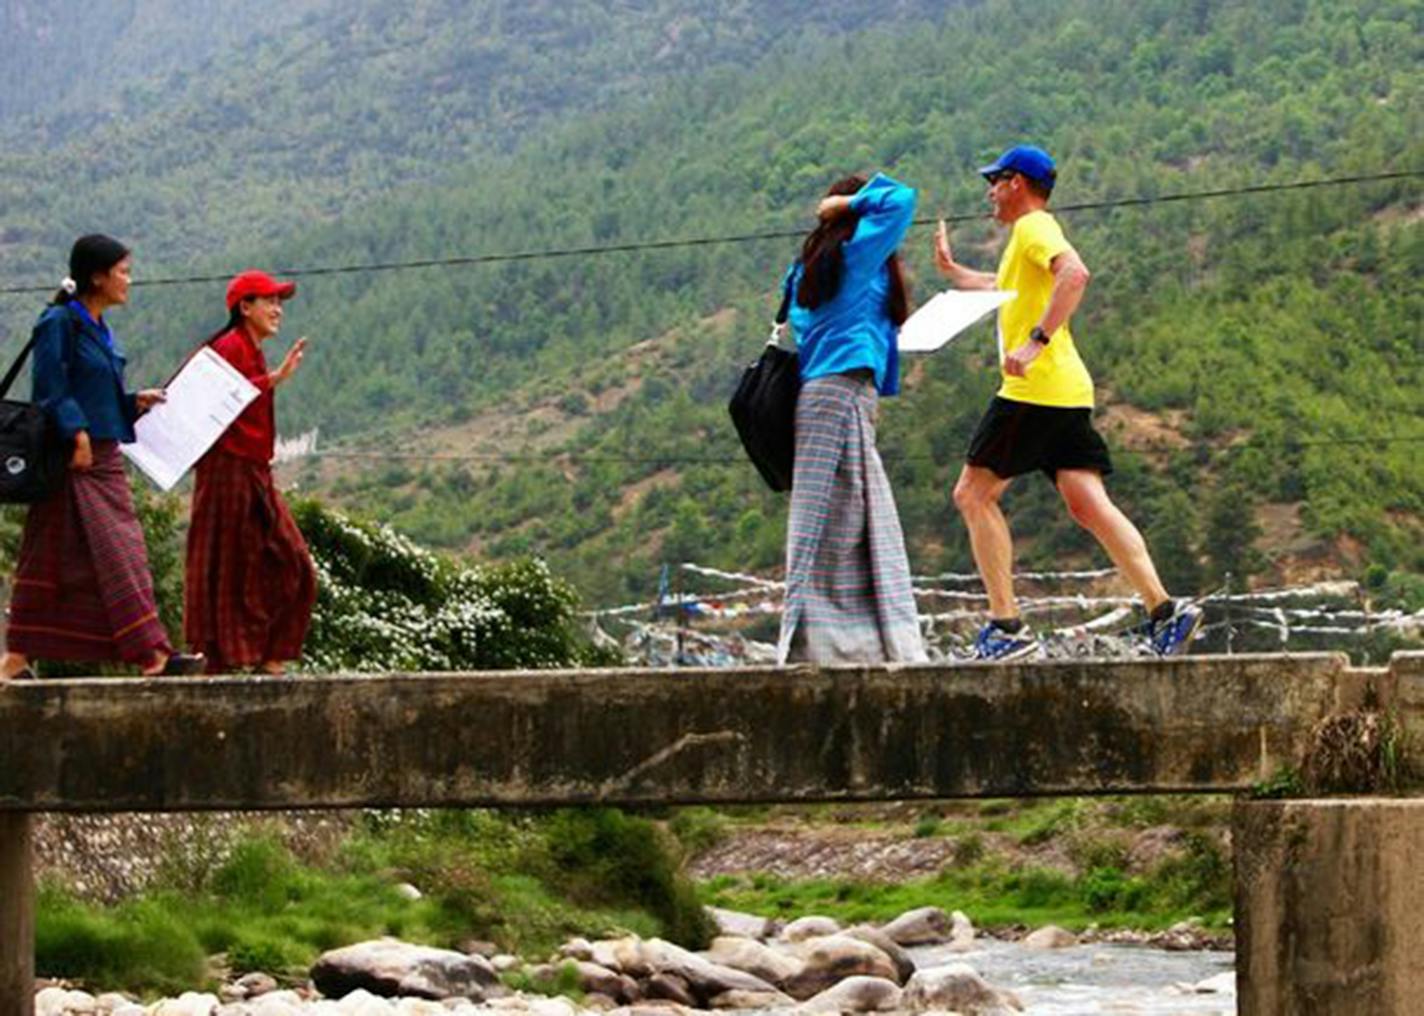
x: 69, y: 285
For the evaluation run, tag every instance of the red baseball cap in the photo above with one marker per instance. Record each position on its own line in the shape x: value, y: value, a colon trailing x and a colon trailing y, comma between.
x: 255, y: 283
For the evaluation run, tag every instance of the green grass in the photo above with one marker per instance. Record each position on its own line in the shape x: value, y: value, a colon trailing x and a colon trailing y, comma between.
x: 526, y: 883
x: 992, y: 875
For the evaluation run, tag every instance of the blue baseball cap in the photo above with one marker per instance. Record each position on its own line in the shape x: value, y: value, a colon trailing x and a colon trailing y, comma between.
x: 1029, y: 160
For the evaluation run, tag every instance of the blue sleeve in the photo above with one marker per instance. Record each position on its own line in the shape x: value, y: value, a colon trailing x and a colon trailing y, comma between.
x: 886, y: 208
x: 50, y: 387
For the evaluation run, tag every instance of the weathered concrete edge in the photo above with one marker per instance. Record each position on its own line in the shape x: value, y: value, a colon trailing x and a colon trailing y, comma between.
x: 1204, y: 724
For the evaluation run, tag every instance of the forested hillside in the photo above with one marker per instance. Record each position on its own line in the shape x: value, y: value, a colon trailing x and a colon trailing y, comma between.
x: 205, y: 127
x: 1259, y: 359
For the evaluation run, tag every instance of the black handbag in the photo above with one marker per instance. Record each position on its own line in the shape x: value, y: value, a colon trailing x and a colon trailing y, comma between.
x: 32, y: 458
x: 763, y: 407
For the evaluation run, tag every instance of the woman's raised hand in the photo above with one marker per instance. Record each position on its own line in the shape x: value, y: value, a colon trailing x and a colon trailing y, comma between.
x: 291, y: 361
x: 833, y: 207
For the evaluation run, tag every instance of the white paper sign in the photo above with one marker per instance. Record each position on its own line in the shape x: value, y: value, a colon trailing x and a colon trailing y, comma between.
x: 203, y: 400
x: 947, y: 315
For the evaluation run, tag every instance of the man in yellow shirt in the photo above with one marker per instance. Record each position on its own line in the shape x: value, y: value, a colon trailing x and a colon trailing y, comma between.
x: 1042, y: 416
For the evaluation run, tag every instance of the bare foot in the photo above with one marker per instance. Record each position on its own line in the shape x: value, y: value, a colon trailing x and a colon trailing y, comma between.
x: 275, y: 668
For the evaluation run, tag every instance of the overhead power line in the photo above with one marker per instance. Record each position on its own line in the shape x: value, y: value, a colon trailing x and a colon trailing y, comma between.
x: 737, y: 238
x: 679, y: 459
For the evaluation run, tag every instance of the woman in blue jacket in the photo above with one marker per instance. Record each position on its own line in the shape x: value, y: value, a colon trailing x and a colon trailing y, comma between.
x: 82, y: 589
x: 848, y: 593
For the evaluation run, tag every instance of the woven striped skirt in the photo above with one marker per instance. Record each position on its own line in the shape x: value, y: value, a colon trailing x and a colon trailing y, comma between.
x: 82, y: 587
x: 250, y: 584
x: 848, y: 593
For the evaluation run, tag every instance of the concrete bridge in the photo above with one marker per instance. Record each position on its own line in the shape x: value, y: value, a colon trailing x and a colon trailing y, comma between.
x: 1328, y: 910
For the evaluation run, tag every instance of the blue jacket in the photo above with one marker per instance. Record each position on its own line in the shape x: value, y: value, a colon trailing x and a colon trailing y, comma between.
x: 79, y: 380
x: 853, y: 330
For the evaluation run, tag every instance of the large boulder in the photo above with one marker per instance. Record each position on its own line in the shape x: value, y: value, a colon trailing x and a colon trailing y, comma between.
x: 813, y: 926
x: 190, y: 1003
x: 1049, y: 937
x: 733, y: 922
x: 595, y: 978
x: 740, y: 998
x: 904, y: 962
x: 956, y: 986
x: 705, y: 979
x: 961, y: 936
x: 831, y: 959
x: 669, y: 987
x: 771, y: 965
x: 856, y: 994
x: 922, y: 926
x: 627, y: 955
x: 391, y: 968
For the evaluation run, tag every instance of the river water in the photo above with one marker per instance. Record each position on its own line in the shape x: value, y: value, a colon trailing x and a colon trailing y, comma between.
x: 1098, y: 980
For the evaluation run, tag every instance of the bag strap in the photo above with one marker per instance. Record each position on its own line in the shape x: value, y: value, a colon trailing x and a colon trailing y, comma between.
x: 14, y: 370
x: 785, y: 310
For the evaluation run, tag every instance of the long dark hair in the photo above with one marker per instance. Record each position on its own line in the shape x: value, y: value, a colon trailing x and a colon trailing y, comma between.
x: 90, y: 255
x: 233, y: 320
x: 823, y: 260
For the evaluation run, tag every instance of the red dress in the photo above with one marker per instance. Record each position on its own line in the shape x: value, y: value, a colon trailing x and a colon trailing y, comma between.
x: 250, y: 584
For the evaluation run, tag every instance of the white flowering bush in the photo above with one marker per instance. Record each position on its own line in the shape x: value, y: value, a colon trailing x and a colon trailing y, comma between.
x: 385, y: 603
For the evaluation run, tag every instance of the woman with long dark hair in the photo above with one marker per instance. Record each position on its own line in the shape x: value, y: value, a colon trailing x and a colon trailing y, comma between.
x: 82, y: 588
x: 250, y: 585
x: 848, y: 593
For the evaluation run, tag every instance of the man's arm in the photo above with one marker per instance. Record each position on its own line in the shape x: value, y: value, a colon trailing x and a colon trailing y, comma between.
x: 1070, y: 279
x: 957, y: 275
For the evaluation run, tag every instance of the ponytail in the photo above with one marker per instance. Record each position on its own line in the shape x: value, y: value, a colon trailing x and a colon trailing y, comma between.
x: 233, y: 320
x: 823, y: 261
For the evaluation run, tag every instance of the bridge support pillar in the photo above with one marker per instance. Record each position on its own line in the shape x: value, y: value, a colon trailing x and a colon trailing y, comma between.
x: 17, y: 915
x: 1329, y: 906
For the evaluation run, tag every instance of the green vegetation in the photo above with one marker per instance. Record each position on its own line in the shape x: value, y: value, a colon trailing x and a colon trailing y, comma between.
x: 1249, y: 338
x: 384, y: 603
x: 1064, y: 861
x: 524, y: 882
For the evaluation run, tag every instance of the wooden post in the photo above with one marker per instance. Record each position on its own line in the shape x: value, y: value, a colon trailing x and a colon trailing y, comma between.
x: 17, y: 915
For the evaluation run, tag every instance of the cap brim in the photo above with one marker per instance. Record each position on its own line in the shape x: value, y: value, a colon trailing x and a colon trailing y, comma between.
x: 285, y: 290
x: 993, y: 167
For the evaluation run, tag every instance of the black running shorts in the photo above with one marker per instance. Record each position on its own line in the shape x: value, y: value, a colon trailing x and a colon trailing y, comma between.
x: 1014, y: 438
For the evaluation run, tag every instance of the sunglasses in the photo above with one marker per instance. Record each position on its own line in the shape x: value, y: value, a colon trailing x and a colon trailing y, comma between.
x: 1003, y: 174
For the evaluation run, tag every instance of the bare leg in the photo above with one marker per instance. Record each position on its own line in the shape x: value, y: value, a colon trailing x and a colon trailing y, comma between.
x: 976, y: 495
x: 12, y: 665
x: 1088, y: 502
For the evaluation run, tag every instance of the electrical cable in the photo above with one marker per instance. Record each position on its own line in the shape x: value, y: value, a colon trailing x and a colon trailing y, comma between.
x: 708, y: 241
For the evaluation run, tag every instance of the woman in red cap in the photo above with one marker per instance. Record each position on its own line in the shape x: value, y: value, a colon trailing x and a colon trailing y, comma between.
x: 82, y: 589
x: 250, y: 584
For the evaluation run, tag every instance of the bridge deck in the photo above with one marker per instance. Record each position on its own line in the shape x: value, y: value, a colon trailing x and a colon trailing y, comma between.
x: 636, y: 736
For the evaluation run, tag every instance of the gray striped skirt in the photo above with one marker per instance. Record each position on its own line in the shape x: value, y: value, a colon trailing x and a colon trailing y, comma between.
x: 848, y: 593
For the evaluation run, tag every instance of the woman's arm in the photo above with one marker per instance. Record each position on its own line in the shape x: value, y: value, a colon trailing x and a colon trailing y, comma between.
x: 886, y: 208
x: 50, y: 385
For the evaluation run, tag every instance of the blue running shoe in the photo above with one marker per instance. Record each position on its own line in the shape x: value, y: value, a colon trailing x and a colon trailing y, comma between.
x: 1172, y: 635
x: 993, y: 643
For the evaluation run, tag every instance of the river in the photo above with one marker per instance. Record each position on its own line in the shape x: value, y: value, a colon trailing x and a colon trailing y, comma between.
x: 1096, y: 980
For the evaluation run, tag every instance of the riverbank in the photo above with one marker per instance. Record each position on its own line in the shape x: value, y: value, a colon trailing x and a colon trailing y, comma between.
x: 157, y: 904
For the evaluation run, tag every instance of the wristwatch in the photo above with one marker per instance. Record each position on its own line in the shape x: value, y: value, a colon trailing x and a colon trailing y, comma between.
x: 1038, y: 335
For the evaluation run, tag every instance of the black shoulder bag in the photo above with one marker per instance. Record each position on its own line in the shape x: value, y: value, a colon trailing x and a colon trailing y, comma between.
x: 32, y: 459
x: 763, y: 407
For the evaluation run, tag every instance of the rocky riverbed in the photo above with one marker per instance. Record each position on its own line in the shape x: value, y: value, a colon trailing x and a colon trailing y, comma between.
x: 924, y: 961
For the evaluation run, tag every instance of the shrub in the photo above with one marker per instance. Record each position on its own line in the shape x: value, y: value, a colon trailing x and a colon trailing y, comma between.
x: 386, y: 604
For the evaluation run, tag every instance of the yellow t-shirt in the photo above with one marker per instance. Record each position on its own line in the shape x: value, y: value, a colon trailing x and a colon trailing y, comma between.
x: 1057, y: 377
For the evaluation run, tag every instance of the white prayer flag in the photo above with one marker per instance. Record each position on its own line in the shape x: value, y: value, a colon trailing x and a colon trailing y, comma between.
x: 948, y: 314
x: 205, y: 397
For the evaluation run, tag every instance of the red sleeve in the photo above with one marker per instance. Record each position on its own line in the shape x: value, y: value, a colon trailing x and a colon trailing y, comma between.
x: 236, y: 350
